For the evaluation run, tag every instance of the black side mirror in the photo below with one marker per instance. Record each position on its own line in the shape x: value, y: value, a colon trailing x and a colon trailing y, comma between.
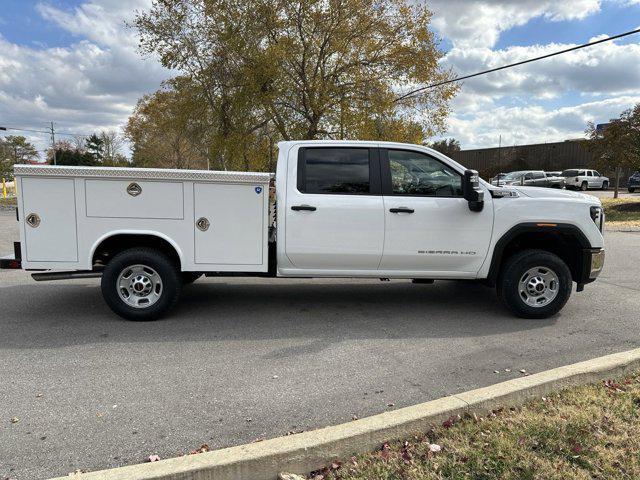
x: 471, y: 190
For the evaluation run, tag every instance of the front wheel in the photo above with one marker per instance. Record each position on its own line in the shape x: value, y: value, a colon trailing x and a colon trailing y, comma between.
x: 535, y: 284
x: 141, y: 284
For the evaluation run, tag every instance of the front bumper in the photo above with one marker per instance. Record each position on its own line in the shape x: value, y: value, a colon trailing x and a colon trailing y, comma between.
x: 592, y: 264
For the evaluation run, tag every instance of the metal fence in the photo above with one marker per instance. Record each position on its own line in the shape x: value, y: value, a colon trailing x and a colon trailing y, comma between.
x: 540, y: 156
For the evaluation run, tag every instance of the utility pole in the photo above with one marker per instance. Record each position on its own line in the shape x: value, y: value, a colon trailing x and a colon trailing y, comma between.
x: 53, y: 144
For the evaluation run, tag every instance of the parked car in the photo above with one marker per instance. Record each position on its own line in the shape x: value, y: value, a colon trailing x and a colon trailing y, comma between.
x: 496, y: 180
x: 634, y: 182
x: 344, y: 209
x: 584, y: 179
x: 555, y: 173
x: 531, y: 178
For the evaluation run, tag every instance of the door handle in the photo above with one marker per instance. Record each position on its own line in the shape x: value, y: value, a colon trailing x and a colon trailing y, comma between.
x: 307, y: 208
x: 401, y: 210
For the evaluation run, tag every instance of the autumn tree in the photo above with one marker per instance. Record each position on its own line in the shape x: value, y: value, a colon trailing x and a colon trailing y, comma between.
x: 267, y: 70
x: 160, y: 131
x: 617, y: 146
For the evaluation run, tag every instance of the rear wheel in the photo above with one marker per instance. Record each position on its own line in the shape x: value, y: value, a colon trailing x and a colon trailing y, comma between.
x: 141, y: 284
x: 534, y: 284
x: 605, y: 185
x: 584, y: 186
x: 631, y: 189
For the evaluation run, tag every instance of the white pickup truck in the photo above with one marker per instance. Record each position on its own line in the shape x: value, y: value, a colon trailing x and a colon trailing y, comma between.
x: 342, y: 209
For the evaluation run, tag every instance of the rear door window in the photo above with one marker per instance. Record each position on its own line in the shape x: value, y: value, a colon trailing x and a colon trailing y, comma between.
x: 334, y: 171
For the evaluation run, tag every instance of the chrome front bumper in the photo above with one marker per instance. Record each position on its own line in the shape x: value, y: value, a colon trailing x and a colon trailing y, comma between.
x: 596, y: 263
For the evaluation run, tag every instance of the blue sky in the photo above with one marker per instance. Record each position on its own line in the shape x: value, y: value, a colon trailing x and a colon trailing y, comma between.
x: 75, y: 63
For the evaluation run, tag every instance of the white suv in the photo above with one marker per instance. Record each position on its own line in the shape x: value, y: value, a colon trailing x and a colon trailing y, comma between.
x: 585, y: 179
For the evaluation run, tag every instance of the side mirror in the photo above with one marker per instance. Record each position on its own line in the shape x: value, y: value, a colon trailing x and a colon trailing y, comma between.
x: 471, y: 190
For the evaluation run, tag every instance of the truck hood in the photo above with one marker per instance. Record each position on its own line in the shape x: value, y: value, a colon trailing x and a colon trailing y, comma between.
x: 541, y: 192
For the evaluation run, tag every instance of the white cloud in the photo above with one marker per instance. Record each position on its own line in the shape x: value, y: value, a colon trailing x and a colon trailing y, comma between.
x: 607, y: 76
x: 533, y: 124
x: 479, y: 23
x: 85, y: 87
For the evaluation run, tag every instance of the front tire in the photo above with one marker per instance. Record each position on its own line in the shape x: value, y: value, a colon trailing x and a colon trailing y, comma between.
x: 141, y: 284
x: 534, y: 284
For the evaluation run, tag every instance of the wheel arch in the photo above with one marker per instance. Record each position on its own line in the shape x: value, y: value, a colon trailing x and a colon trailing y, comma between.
x: 112, y: 243
x: 563, y: 239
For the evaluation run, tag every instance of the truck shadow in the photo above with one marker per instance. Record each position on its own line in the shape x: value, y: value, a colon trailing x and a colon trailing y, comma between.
x: 58, y: 315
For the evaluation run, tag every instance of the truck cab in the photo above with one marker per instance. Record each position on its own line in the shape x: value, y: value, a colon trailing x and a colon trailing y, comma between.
x: 340, y: 209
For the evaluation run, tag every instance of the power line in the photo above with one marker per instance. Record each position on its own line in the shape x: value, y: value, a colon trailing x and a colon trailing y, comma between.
x: 46, y: 132
x: 457, y: 79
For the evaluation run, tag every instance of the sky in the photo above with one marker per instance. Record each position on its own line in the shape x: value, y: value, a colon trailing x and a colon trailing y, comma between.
x: 75, y: 62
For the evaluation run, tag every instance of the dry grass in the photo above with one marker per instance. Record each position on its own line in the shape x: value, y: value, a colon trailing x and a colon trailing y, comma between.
x: 579, y: 433
x: 622, y: 210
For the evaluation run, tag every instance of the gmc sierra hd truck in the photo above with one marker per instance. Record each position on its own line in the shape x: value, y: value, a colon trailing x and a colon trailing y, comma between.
x: 340, y: 209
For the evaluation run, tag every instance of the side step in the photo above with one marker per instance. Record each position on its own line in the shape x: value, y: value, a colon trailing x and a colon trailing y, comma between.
x: 47, y: 276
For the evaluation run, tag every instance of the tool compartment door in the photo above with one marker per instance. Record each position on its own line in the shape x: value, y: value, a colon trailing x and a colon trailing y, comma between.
x: 229, y: 222
x: 49, y: 216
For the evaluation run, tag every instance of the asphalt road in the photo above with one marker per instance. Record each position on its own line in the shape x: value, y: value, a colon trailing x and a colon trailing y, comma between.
x: 242, y: 359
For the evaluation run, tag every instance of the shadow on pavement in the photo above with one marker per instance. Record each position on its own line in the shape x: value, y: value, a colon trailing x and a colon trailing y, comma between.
x: 59, y: 315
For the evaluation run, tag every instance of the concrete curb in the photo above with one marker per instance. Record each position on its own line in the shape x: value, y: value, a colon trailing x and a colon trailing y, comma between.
x: 304, y: 452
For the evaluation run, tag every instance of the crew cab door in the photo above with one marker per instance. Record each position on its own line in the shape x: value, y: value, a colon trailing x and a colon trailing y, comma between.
x: 429, y: 227
x: 334, y: 209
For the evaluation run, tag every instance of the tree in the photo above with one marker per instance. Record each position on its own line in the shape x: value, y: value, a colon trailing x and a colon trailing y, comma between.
x: 161, y: 132
x: 94, y: 145
x: 15, y: 149
x: 446, y: 146
x: 112, y: 144
x: 618, y: 145
x: 266, y: 70
x: 67, y: 153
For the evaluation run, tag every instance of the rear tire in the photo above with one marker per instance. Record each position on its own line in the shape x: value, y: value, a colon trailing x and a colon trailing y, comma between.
x: 534, y: 284
x: 605, y: 185
x: 584, y: 186
x: 141, y: 284
x: 631, y: 190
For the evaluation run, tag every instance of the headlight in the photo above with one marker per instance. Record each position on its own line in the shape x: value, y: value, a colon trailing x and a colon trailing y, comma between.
x: 597, y: 215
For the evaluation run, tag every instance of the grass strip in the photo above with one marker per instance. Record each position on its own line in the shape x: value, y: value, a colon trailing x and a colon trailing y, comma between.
x: 582, y: 432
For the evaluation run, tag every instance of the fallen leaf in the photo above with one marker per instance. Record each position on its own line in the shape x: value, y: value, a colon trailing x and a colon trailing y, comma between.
x: 434, y: 447
x: 153, y: 458
x: 38, y: 395
x: 385, y: 451
x: 507, y: 370
x: 391, y: 404
x: 15, y: 419
x: 522, y: 370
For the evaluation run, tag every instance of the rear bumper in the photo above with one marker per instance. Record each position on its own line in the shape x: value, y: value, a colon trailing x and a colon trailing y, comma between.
x: 12, y: 262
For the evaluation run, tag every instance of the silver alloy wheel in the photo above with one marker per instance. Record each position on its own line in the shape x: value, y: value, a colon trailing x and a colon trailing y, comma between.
x: 538, y: 286
x: 139, y: 286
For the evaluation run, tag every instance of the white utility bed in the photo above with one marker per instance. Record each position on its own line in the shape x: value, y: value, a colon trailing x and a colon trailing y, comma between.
x: 216, y: 221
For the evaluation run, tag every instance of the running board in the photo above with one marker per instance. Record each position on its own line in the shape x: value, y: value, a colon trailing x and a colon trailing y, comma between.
x: 47, y: 276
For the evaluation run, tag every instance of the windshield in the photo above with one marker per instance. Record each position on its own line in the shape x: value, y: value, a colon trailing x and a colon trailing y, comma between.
x: 514, y: 175
x: 569, y: 173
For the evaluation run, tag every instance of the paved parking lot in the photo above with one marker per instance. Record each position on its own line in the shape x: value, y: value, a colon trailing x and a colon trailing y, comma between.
x: 242, y: 359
